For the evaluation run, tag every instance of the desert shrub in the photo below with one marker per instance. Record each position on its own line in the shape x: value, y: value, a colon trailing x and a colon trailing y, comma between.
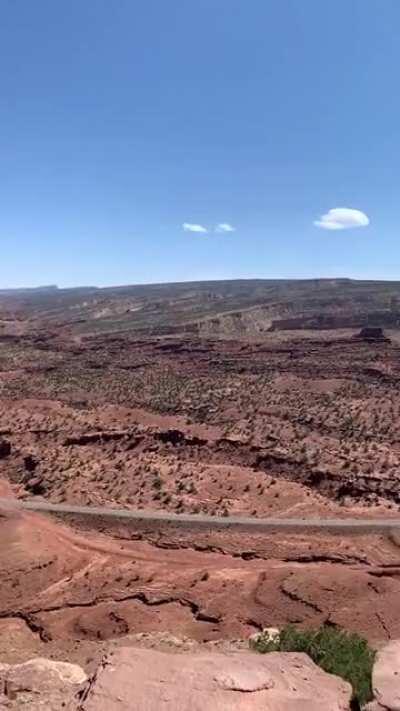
x: 337, y: 652
x: 157, y: 482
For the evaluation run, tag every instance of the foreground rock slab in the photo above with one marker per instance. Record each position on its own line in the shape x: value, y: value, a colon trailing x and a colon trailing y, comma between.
x: 386, y: 677
x: 40, y: 685
x: 148, y: 680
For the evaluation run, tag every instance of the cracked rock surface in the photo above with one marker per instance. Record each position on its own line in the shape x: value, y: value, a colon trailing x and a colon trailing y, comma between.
x: 40, y: 685
x: 386, y: 678
x: 148, y: 680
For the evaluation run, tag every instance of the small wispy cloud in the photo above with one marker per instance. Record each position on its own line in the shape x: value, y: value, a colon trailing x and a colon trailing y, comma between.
x: 192, y: 227
x: 225, y: 227
x: 342, y: 218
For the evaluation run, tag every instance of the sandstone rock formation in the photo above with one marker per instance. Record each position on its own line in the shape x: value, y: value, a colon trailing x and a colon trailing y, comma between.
x: 197, y: 679
x: 386, y: 678
x: 40, y: 685
x: 148, y: 680
x: 372, y: 334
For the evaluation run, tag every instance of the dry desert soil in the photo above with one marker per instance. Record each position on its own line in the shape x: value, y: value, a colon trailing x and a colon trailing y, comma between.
x: 258, y: 399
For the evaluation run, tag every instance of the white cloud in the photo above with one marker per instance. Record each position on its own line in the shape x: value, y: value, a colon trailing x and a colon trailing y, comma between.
x: 342, y: 218
x: 225, y: 227
x: 190, y: 227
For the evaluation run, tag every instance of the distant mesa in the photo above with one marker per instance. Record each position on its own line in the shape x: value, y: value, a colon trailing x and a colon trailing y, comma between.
x: 372, y: 334
x: 46, y: 289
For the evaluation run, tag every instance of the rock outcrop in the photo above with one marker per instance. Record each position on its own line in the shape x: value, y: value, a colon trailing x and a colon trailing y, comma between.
x: 197, y: 679
x: 386, y: 678
x: 148, y: 680
x: 40, y: 685
x: 372, y: 334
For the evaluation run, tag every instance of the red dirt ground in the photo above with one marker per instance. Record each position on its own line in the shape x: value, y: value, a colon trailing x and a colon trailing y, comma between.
x: 279, y: 428
x: 64, y: 591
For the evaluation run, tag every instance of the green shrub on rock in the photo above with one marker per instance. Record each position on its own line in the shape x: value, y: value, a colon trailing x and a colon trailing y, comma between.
x: 337, y: 652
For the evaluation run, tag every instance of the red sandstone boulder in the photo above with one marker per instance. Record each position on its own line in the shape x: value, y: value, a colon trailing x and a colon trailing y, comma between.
x: 40, y: 685
x: 386, y: 678
x: 148, y: 680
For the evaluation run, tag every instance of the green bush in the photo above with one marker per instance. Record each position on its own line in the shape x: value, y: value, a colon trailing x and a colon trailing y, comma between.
x: 337, y: 652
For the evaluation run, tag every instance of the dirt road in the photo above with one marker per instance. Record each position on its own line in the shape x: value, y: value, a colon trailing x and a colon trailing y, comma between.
x: 348, y: 526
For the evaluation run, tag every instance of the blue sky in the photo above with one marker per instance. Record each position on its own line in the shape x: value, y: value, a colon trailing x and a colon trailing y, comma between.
x: 122, y: 121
